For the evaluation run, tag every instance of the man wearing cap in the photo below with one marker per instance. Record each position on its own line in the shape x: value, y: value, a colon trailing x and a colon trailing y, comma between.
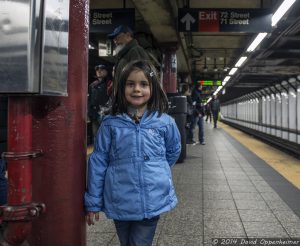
x: 127, y: 49
x: 99, y: 93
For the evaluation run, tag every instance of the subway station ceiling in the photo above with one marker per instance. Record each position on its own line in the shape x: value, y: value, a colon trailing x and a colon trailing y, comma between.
x: 211, y: 55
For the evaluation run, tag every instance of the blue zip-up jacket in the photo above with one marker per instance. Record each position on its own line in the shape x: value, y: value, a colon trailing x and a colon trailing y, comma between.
x: 129, y: 175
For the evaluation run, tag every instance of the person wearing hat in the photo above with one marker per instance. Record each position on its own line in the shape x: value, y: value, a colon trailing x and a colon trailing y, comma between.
x: 126, y: 49
x: 99, y: 94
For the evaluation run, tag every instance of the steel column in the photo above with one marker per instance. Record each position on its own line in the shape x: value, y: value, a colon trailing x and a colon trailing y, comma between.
x: 60, y: 130
x: 169, y: 69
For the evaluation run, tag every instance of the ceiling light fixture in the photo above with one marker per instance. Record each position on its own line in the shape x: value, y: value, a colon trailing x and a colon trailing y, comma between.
x: 226, y: 80
x: 241, y: 61
x: 218, y: 89
x: 256, y: 41
x: 284, y: 7
x: 233, y: 70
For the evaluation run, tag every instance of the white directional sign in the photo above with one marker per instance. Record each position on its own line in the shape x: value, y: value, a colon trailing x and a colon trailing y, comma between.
x: 106, y: 20
x: 224, y: 20
x: 187, y: 19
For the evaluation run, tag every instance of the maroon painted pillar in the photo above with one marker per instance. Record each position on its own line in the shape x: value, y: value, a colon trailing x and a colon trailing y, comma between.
x: 19, y: 169
x: 59, y: 129
x: 169, y: 68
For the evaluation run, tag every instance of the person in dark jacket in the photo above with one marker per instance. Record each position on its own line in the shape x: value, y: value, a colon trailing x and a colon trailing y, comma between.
x: 129, y: 172
x: 186, y: 91
x: 215, y: 109
x: 99, y: 93
x: 127, y: 50
x: 200, y: 114
x: 208, y: 112
x: 196, y: 99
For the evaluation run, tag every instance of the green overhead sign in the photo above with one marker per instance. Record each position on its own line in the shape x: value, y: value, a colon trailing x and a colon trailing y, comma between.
x: 209, y: 82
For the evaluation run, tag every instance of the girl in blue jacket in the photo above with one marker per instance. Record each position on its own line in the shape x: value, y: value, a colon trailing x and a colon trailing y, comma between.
x: 129, y: 171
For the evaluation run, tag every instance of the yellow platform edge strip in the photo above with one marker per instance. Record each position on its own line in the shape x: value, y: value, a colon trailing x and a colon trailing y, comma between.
x: 287, y: 166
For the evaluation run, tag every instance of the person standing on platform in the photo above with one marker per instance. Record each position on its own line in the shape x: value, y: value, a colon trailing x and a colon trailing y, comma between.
x: 127, y: 49
x: 200, y: 113
x: 215, y: 109
x: 129, y: 172
x: 186, y: 91
x: 208, y: 112
x: 99, y: 93
x: 196, y: 99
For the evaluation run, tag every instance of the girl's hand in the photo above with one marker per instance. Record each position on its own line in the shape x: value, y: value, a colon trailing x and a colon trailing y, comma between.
x: 90, y: 217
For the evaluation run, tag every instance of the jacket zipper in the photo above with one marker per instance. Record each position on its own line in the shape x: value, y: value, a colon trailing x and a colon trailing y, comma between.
x: 141, y: 180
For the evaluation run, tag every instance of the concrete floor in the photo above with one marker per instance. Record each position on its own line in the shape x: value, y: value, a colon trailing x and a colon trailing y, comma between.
x: 224, y: 191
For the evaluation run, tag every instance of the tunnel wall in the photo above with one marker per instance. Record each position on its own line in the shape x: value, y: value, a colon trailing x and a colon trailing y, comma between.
x: 272, y: 112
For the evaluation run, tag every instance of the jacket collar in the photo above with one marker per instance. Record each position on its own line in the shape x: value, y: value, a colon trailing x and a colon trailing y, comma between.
x: 146, y: 116
x: 127, y: 47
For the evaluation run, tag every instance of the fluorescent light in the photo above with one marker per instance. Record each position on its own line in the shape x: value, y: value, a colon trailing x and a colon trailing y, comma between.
x: 218, y: 89
x: 241, y: 61
x: 256, y: 41
x: 233, y: 70
x: 284, y: 7
x: 227, y: 78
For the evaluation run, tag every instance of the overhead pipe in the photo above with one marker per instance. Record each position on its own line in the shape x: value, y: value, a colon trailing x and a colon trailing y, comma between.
x: 20, y: 210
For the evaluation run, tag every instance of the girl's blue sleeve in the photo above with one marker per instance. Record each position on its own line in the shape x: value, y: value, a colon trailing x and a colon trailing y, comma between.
x: 97, y: 166
x: 173, y: 143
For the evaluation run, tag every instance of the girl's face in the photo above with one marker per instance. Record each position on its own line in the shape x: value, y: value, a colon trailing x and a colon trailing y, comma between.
x: 137, y: 89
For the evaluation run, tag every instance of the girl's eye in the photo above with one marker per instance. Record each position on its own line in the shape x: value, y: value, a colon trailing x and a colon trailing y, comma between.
x: 144, y: 84
x: 129, y: 84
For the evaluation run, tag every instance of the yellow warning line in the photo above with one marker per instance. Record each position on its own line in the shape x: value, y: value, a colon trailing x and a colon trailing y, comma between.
x: 286, y: 165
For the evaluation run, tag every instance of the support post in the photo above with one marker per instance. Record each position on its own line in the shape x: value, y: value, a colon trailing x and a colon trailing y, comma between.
x: 169, y: 68
x: 60, y: 130
x: 19, y: 210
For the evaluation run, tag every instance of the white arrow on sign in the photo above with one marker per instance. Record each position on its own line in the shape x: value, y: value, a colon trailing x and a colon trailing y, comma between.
x: 188, y: 19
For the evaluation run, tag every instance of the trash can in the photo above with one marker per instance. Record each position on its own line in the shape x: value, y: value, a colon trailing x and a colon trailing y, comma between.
x: 178, y: 110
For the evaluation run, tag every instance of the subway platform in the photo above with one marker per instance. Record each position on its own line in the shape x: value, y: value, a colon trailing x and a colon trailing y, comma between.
x: 226, y: 191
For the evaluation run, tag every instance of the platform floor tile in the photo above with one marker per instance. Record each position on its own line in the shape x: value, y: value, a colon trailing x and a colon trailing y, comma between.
x: 224, y: 191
